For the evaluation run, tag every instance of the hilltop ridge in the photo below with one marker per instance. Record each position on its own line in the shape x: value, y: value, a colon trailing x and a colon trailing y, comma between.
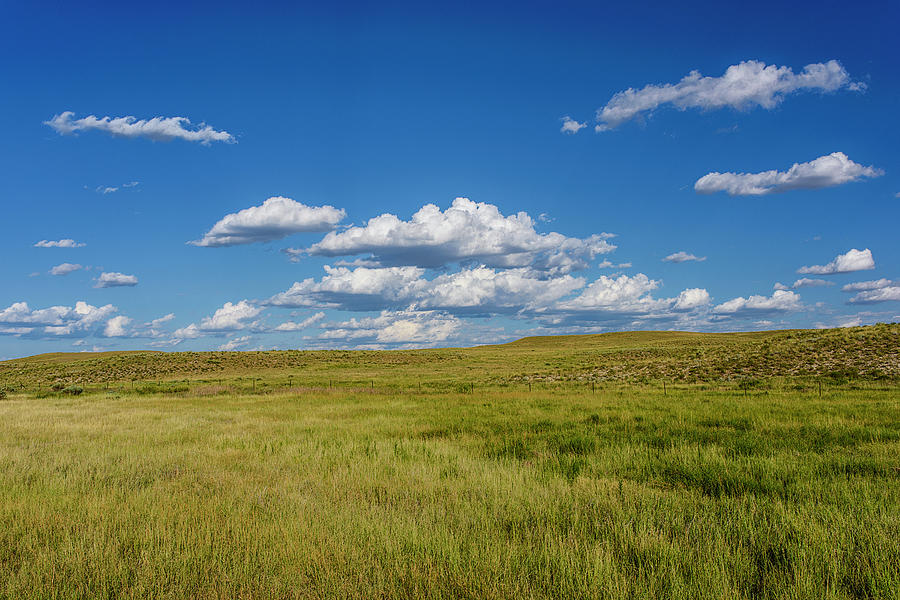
x: 871, y: 352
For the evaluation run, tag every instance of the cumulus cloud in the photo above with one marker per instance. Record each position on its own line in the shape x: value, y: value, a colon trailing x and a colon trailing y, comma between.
x: 466, y: 232
x: 65, y: 269
x: 477, y: 290
x: 482, y: 291
x: 55, y: 321
x: 66, y: 243
x: 622, y: 294
x: 294, y: 326
x: 885, y: 294
x: 488, y: 291
x: 231, y: 317
x: 875, y: 284
x: 743, y: 86
x: 276, y: 218
x: 113, y: 279
x: 853, y: 260
x: 418, y: 327
x: 779, y: 301
x: 803, y: 282
x: 235, y: 343
x: 826, y: 171
x: 571, y: 126
x: 682, y: 256
x: 692, y: 298
x: 161, y: 129
x: 362, y: 288
x: 117, y: 326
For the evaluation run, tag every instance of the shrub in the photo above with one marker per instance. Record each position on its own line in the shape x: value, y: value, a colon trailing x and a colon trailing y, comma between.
x: 74, y: 390
x: 2, y: 394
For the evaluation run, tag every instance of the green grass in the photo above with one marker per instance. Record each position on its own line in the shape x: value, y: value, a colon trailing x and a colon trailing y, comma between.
x: 206, y: 490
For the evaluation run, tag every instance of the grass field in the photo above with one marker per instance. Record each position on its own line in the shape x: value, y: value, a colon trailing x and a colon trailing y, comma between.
x: 339, y: 476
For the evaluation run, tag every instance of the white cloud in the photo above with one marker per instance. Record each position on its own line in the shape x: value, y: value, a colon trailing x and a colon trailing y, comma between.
x: 682, y: 256
x: 803, y: 282
x: 107, y: 280
x: 162, y: 129
x: 571, y: 126
x: 622, y: 294
x: 231, y: 317
x: 607, y: 264
x: 55, y: 321
x: 110, y: 189
x: 779, y: 301
x: 234, y: 344
x: 294, y: 326
x: 826, y: 171
x: 885, y: 294
x: 418, y: 327
x: 65, y: 269
x: 692, y: 298
x: 465, y: 232
x: 151, y: 329
x: 187, y: 333
x: 276, y: 218
x: 164, y: 319
x: 875, y: 284
x: 116, y: 327
x: 362, y: 288
x: 66, y: 243
x: 484, y: 290
x: 479, y: 290
x: 743, y: 86
x: 853, y: 260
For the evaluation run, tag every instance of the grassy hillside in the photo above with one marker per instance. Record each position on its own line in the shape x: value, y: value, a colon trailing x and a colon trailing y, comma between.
x: 445, y: 474
x: 868, y: 353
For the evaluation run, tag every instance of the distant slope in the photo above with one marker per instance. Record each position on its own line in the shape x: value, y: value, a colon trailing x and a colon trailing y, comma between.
x: 861, y: 352
x: 64, y: 357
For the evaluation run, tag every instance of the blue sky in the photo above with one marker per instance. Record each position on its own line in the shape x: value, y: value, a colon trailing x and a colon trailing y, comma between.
x: 340, y: 123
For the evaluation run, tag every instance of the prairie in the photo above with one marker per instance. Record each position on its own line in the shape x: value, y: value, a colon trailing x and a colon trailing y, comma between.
x: 638, y: 465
